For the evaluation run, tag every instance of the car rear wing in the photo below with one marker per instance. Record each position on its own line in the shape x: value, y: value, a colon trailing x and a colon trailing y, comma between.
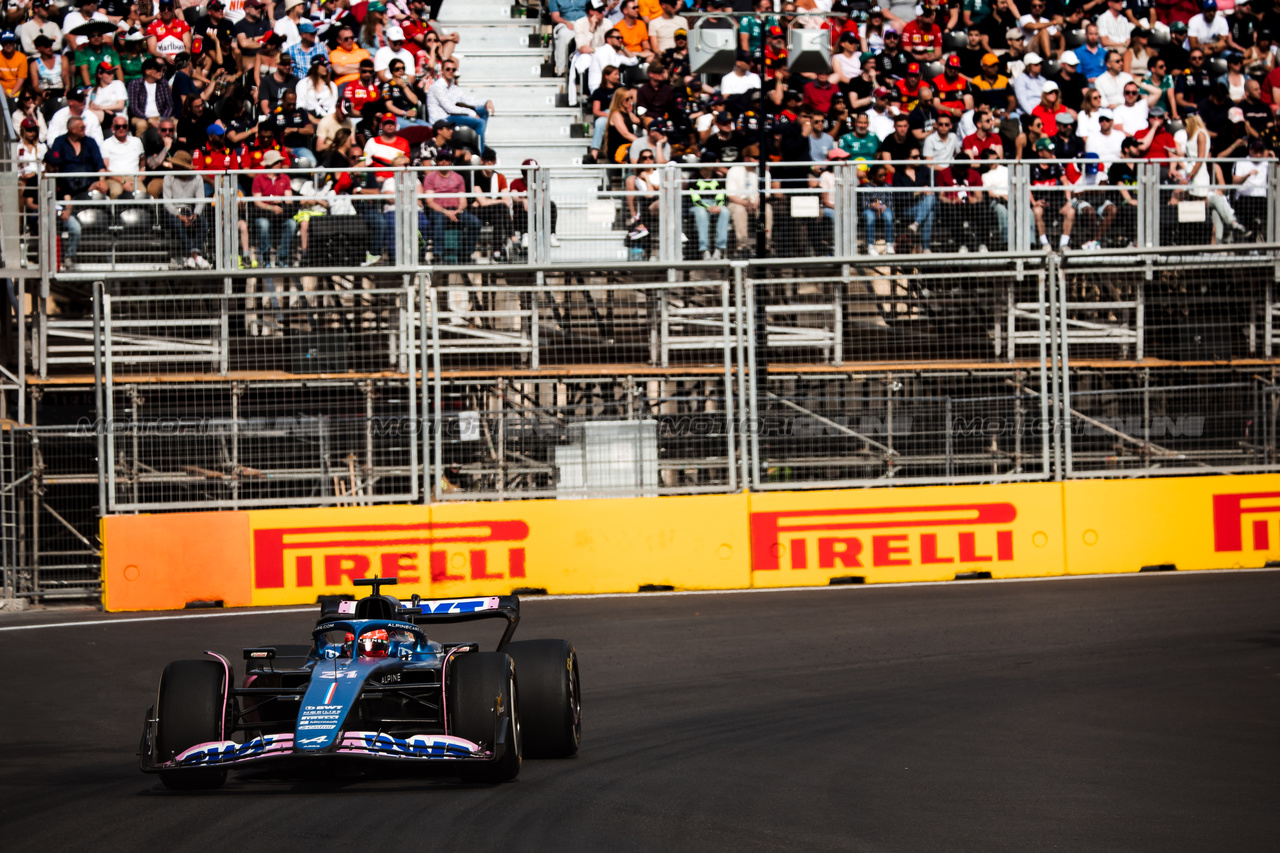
x: 448, y: 610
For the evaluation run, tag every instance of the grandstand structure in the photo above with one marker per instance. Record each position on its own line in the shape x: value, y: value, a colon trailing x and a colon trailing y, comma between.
x: 600, y: 365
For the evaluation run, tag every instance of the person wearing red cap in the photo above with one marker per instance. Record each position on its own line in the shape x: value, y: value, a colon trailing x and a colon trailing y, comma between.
x: 907, y: 90
x: 922, y: 38
x: 387, y: 149
x: 952, y: 89
x: 775, y: 54
x: 109, y: 97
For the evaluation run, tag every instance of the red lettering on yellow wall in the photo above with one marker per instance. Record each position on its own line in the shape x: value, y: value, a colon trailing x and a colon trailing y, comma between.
x: 348, y: 566
x: 832, y: 550
x: 883, y: 549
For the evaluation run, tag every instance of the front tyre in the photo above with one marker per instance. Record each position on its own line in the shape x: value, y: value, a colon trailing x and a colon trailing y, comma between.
x: 550, y: 697
x: 190, y: 710
x: 484, y: 706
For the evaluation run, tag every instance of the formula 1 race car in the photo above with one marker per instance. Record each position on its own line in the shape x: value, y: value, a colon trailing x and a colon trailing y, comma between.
x: 371, y: 687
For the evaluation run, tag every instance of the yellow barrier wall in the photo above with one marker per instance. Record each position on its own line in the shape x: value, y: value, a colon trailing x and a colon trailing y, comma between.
x: 491, y: 548
x: 911, y: 534
x: 774, y: 539
x: 1191, y: 522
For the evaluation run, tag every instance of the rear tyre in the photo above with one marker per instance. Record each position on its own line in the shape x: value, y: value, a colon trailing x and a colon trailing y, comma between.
x: 190, y: 710
x: 550, y: 699
x: 483, y: 695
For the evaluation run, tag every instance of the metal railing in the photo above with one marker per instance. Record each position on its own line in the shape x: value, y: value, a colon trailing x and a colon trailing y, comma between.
x: 641, y: 213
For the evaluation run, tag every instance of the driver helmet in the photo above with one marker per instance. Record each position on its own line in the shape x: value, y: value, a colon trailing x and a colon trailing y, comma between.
x: 375, y: 643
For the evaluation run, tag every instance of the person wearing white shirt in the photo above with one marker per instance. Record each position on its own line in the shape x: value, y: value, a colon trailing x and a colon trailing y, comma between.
x: 1113, y: 27
x: 122, y: 153
x: 942, y: 145
x: 1110, y: 84
x: 1208, y: 30
x: 394, y: 49
x: 741, y: 78
x: 1106, y: 141
x: 75, y: 107
x: 88, y: 12
x: 662, y: 29
x: 881, y: 122
x: 1131, y: 116
x: 449, y: 101
x: 590, y: 34
x: 287, y: 26
x: 1250, y: 179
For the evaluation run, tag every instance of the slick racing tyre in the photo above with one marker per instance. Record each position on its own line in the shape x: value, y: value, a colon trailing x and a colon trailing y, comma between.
x: 190, y: 710
x: 550, y: 699
x: 484, y: 695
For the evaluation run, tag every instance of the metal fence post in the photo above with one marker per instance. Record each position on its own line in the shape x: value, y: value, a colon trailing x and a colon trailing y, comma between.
x: 1055, y: 269
x: 424, y: 367
x: 740, y: 343
x: 437, y: 384
x: 669, y: 220
x: 100, y: 412
x: 109, y: 394
x: 756, y: 386
x: 729, y: 414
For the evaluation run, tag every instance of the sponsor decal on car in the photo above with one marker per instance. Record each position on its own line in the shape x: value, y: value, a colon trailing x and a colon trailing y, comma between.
x: 416, y: 746
x: 228, y: 751
x: 461, y: 605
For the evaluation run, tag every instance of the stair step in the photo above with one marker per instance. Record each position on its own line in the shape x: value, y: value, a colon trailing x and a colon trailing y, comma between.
x: 478, y: 10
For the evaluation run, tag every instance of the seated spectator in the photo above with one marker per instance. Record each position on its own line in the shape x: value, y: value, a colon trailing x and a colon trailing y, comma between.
x: 250, y: 34
x: 1204, y: 175
x: 1028, y: 85
x: 601, y: 98
x: 295, y: 129
x: 564, y: 14
x: 150, y: 99
x: 984, y: 137
x: 123, y: 155
x: 742, y: 188
x: 48, y: 74
x: 1131, y: 116
x: 1114, y: 26
x: 1250, y: 178
x: 74, y: 153
x: 345, y: 59
x: 654, y: 98
x: 273, y: 86
x: 1049, y: 193
x: 363, y: 98
x: 961, y: 212
x: 995, y: 183
x: 654, y: 140
x: 1195, y: 85
x: 941, y: 146
x: 635, y: 33
x: 168, y: 35
x: 13, y: 64
x: 1107, y: 142
x: 289, y: 25
x: 493, y: 205
x: 86, y: 10
x: 109, y: 97
x: 922, y: 37
x: 915, y: 200
x: 446, y: 203
x: 186, y: 212
x: 1157, y: 88
x: 663, y: 28
x: 91, y: 54
x: 707, y: 199
x: 820, y: 139
x: 993, y: 89
x: 1049, y: 108
x: 394, y: 49
x: 400, y: 97
x: 449, y: 101
x: 1208, y: 31
x: 951, y: 89
x: 272, y: 217
x: 1112, y: 83
x: 75, y: 108
x: 877, y: 208
x: 307, y: 49
x: 39, y: 25
x: 520, y: 211
x: 595, y: 58
x: 741, y: 79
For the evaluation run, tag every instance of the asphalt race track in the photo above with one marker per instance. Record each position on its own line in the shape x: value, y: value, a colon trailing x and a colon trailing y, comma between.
x: 1134, y: 713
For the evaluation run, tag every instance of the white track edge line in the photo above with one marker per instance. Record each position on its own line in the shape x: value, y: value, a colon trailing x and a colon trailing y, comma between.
x: 964, y: 584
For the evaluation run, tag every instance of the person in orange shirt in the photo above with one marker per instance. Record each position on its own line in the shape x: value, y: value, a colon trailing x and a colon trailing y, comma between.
x: 345, y: 58
x: 650, y: 9
x: 13, y: 64
x: 635, y: 35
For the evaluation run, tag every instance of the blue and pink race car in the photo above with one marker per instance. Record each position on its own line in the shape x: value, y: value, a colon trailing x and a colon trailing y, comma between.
x: 371, y: 687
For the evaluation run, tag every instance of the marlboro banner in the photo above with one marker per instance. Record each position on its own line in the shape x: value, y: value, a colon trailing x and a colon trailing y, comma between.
x: 776, y: 539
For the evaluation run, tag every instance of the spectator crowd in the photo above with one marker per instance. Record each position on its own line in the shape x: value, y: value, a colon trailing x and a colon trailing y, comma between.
x: 930, y: 101
x: 945, y: 94
x: 142, y: 90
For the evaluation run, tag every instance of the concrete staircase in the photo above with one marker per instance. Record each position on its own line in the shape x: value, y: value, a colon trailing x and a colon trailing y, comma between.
x: 501, y: 58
